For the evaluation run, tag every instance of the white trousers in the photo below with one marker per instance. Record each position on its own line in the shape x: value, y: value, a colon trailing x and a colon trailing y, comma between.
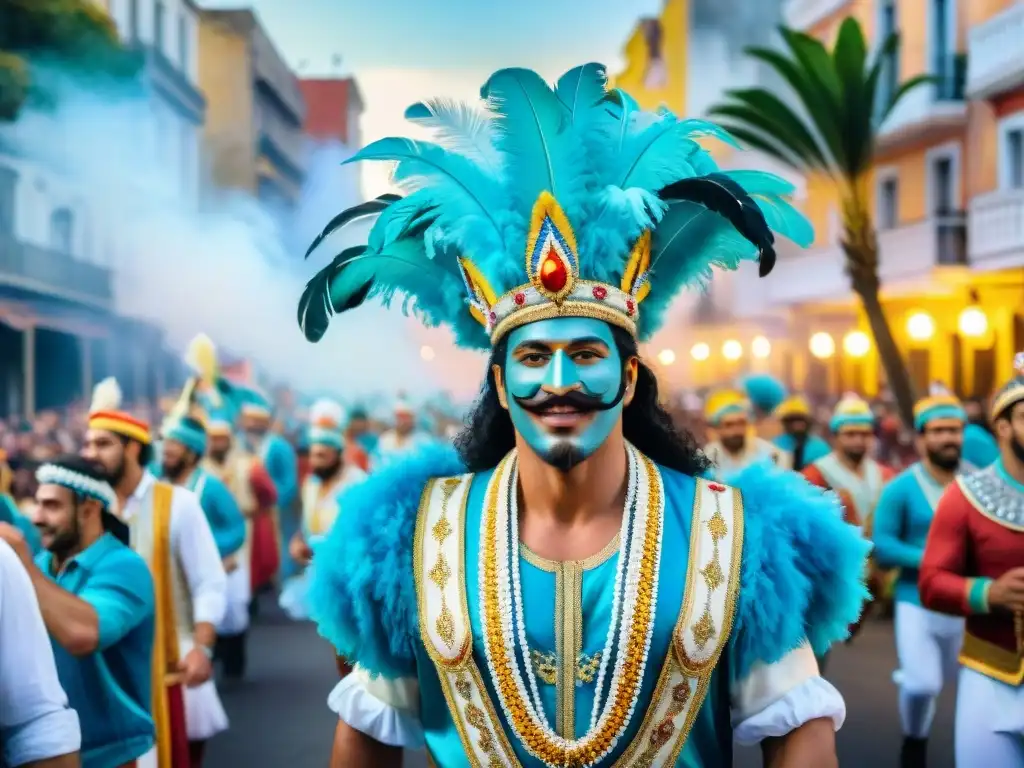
x: 927, y: 645
x: 236, y: 617
x: 989, y: 722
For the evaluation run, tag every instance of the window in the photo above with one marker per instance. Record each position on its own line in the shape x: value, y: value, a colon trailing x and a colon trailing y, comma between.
x: 942, y: 186
x: 891, y: 69
x: 888, y: 203
x: 8, y: 185
x: 1014, y: 162
x: 62, y: 222
x: 133, y: 20
x: 158, y: 26
x: 183, y: 43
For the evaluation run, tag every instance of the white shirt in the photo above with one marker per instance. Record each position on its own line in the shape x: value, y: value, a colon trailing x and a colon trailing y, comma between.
x: 194, y: 548
x: 36, y: 722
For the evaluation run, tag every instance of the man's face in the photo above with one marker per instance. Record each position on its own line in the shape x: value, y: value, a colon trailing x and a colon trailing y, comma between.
x: 56, y: 518
x: 854, y: 442
x: 218, y: 446
x: 106, y: 449
x: 255, y: 427
x: 358, y: 426
x: 942, y: 442
x: 324, y: 461
x: 732, y: 431
x: 1011, y: 430
x: 177, y: 459
x: 563, y: 383
x: 796, y: 426
x: 404, y: 422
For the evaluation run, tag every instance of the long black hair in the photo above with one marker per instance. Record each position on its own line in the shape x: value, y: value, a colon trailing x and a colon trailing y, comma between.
x: 489, y: 434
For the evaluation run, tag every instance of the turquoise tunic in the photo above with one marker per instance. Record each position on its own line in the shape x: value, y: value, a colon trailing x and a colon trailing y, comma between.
x: 226, y: 520
x: 903, y: 517
x: 815, y: 448
x: 10, y: 514
x: 560, y: 599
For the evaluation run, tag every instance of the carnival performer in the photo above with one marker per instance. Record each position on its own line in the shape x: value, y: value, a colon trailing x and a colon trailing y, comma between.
x: 259, y: 558
x: 484, y: 610
x: 973, y: 566
x: 329, y: 478
x: 927, y: 642
x: 403, y: 438
x: 359, y: 432
x: 797, y: 439
x: 168, y: 528
x: 736, y: 446
x: 98, y: 604
x: 282, y: 464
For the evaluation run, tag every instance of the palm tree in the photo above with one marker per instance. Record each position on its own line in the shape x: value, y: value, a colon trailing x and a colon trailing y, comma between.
x: 844, y: 99
x: 71, y: 32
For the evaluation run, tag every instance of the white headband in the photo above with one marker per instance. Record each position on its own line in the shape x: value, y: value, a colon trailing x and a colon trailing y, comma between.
x: 52, y: 474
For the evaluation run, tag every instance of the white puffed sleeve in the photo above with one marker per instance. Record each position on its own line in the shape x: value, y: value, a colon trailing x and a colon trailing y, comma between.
x: 387, y: 711
x: 775, y: 699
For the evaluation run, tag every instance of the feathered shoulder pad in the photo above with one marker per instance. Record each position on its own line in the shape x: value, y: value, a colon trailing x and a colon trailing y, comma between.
x: 803, y: 567
x: 363, y: 595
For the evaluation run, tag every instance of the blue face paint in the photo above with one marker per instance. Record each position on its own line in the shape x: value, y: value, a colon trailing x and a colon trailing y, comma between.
x: 565, y: 355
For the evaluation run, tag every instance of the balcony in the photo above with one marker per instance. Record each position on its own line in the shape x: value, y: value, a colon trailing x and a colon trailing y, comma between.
x: 802, y: 14
x: 54, y: 274
x: 280, y: 140
x: 932, y: 108
x: 907, y: 256
x: 996, y: 54
x: 997, y: 231
x: 171, y: 82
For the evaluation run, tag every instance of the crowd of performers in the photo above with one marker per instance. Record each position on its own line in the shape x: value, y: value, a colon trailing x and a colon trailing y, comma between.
x: 573, y: 581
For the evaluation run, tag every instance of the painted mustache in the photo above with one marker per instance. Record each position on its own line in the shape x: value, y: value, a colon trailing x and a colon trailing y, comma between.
x: 542, y: 402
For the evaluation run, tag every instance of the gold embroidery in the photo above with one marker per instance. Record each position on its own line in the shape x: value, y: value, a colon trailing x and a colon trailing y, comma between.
x: 665, y: 729
x: 545, y: 666
x: 587, y: 667
x: 704, y: 629
x: 478, y: 719
x: 713, y: 575
x: 442, y: 530
x: 441, y: 571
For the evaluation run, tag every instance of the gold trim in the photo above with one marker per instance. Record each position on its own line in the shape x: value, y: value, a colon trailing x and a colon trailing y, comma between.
x: 992, y: 660
x: 546, y: 208
x: 973, y: 501
x: 586, y: 564
x: 1010, y: 397
x: 575, y: 308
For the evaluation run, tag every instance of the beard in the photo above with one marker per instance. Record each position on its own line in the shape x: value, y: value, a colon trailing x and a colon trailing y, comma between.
x: 1017, y: 446
x: 219, y: 457
x: 327, y: 471
x: 63, y: 541
x: 946, y: 458
x: 734, y: 443
x: 173, y: 469
x: 855, y: 455
x: 564, y: 456
x: 115, y: 475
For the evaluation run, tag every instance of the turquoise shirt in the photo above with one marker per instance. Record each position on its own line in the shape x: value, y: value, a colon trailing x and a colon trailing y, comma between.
x: 222, y: 512
x: 815, y: 448
x: 282, y: 465
x: 903, y: 517
x: 579, y: 595
x: 980, y: 448
x: 10, y: 514
x: 110, y: 688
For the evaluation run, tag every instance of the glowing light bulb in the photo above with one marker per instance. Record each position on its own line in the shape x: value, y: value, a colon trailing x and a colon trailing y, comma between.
x: 760, y: 347
x: 732, y: 350
x: 973, y: 323
x: 426, y: 352
x: 666, y: 357
x: 920, y: 326
x: 700, y: 351
x: 856, y: 344
x: 822, y: 345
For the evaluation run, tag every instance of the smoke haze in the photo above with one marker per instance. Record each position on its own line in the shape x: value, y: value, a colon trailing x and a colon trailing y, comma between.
x: 230, y: 269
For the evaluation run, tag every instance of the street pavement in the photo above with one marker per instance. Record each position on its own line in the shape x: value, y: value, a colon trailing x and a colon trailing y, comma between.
x: 279, y: 715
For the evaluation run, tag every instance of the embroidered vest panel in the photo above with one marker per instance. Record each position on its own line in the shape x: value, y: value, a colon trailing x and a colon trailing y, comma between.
x: 695, y: 603
x: 864, y: 490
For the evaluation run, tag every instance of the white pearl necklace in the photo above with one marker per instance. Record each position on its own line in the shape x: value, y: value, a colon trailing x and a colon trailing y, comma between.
x: 627, y: 579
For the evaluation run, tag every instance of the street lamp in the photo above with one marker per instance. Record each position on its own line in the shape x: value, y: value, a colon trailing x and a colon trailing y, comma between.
x: 760, y: 347
x: 920, y: 326
x: 427, y: 353
x: 822, y: 345
x: 732, y: 350
x: 666, y: 357
x: 700, y: 351
x: 856, y: 344
x: 973, y: 323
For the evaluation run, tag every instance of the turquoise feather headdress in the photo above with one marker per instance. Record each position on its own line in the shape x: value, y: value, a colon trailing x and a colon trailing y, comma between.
x: 549, y: 202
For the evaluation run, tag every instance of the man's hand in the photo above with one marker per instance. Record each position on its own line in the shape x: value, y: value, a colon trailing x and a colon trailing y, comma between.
x: 16, y: 539
x: 299, y: 550
x: 1007, y: 592
x: 196, y: 668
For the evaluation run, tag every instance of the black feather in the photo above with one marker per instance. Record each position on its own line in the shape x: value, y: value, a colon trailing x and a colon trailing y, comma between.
x: 720, y: 194
x: 369, y: 208
x: 315, y: 306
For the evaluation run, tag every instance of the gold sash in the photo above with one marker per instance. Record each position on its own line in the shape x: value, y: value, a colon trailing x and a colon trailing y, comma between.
x: 165, y: 647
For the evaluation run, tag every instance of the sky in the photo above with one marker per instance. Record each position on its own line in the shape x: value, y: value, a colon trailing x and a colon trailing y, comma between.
x: 404, y: 51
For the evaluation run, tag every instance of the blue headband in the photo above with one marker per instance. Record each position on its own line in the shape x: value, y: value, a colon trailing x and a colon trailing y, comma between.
x: 192, y: 438
x: 944, y: 411
x: 728, y: 410
x: 841, y: 420
x: 323, y: 436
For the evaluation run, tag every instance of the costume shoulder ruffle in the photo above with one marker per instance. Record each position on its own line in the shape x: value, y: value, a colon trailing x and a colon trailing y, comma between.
x: 803, y: 567
x: 362, y: 595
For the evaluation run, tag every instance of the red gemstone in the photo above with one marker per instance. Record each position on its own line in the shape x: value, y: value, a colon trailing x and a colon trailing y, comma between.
x: 600, y: 292
x: 716, y: 487
x: 553, y: 274
x: 492, y: 317
x: 630, y: 306
x: 519, y: 298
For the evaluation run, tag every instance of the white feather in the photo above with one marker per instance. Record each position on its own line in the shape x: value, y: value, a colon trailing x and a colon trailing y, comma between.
x: 464, y: 129
x: 106, y: 396
x: 325, y: 412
